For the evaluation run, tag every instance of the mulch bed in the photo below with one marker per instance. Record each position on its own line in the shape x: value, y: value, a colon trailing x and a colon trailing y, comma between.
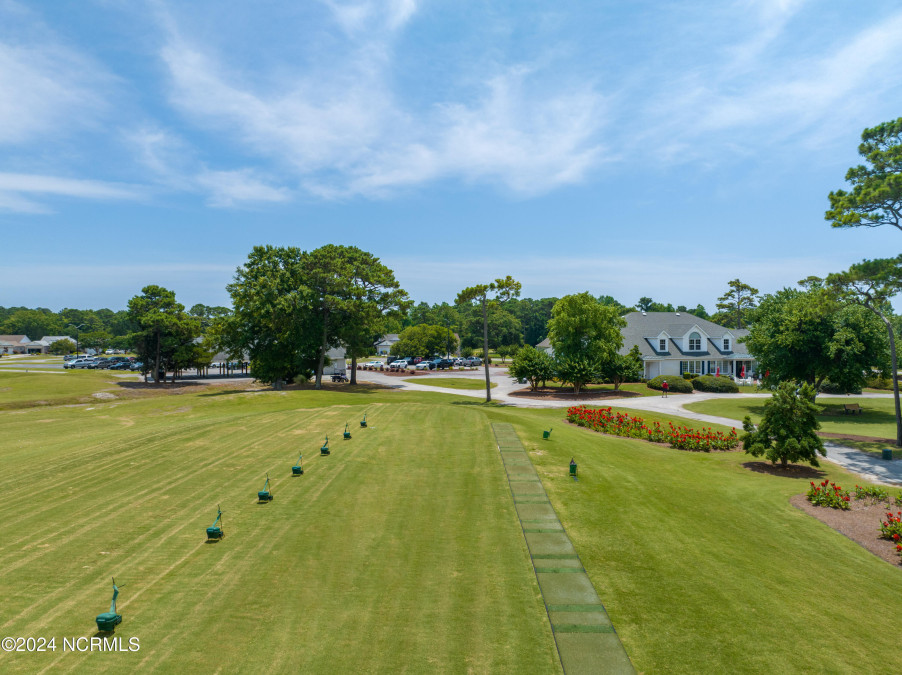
x: 861, y: 524
x: 557, y: 394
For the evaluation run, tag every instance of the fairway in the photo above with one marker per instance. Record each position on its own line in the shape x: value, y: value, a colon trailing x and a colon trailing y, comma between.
x: 401, y: 551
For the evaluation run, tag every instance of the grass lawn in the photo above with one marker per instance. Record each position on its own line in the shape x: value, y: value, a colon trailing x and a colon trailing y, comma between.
x: 452, y: 382
x: 705, y: 567
x: 878, y: 418
x: 18, y: 389
x: 402, y: 550
x: 399, y: 552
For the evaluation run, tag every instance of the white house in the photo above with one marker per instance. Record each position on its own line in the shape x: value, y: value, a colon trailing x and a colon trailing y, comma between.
x: 383, y: 347
x: 673, y: 343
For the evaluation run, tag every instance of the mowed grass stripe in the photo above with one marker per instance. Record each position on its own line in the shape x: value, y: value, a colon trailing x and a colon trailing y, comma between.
x: 397, y: 545
x: 93, y: 490
x: 146, y: 528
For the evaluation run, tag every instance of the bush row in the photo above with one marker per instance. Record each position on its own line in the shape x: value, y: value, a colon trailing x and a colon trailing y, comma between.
x: 623, y: 424
x: 674, y: 382
x: 720, y: 385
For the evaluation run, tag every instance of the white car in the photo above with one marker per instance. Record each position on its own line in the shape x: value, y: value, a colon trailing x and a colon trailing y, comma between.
x: 80, y: 363
x: 374, y: 364
x: 400, y: 364
x: 422, y: 365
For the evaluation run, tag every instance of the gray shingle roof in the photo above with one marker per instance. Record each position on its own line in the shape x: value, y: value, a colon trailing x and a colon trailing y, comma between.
x: 641, y: 329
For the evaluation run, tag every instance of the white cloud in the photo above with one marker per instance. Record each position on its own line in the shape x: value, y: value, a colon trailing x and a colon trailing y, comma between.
x: 758, y: 97
x: 343, y: 132
x: 173, y: 163
x: 366, y: 15
x: 16, y: 190
x: 46, y: 89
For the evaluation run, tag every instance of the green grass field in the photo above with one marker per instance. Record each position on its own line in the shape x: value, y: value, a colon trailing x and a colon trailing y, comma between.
x: 452, y: 382
x: 402, y: 550
x: 878, y: 418
x: 19, y: 389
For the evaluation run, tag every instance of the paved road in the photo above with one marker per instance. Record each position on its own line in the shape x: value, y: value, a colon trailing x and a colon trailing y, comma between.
x: 865, y: 465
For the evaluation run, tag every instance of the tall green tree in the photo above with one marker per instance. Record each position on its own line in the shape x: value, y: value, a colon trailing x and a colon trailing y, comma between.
x: 740, y: 298
x: 876, y: 195
x: 166, y: 333
x: 350, y: 289
x: 273, y: 320
x: 871, y: 284
x: 34, y: 323
x: 500, y: 290
x: 788, y: 429
x: 424, y: 340
x: 585, y: 335
x: 372, y: 295
x: 809, y: 336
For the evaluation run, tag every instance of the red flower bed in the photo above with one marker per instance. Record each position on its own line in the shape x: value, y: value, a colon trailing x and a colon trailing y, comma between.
x: 829, y: 494
x: 624, y: 424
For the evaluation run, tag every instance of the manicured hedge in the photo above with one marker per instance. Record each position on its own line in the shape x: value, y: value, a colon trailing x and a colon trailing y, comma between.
x: 828, y: 387
x: 719, y: 385
x: 674, y: 382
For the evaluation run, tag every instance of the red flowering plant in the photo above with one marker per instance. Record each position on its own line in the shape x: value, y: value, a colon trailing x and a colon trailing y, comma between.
x: 606, y: 421
x: 829, y: 494
x: 891, y: 527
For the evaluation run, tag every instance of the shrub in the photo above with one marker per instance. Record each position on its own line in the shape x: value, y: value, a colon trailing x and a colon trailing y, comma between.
x: 674, y: 382
x: 688, y: 376
x: 828, y: 387
x: 623, y: 424
x: 720, y: 385
x: 874, y: 494
x: 828, y: 494
x: 898, y: 500
x: 788, y: 431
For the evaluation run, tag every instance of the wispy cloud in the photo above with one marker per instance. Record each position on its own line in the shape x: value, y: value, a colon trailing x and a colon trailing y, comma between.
x: 346, y: 131
x: 46, y: 88
x: 175, y: 166
x: 358, y: 16
x: 18, y: 191
x: 756, y: 97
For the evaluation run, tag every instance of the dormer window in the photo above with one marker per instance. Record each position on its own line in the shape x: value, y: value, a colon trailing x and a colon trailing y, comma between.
x: 662, y: 345
x: 695, y: 342
x: 726, y: 344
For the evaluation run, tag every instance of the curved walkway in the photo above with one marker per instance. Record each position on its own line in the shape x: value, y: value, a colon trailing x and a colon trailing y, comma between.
x: 863, y: 464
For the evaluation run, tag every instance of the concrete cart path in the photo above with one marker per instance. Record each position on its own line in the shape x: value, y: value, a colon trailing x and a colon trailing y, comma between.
x: 585, y: 638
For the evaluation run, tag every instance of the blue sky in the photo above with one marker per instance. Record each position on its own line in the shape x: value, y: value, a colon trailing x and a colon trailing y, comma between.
x: 624, y: 148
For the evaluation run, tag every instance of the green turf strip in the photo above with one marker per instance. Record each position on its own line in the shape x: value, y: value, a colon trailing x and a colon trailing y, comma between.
x: 581, y: 628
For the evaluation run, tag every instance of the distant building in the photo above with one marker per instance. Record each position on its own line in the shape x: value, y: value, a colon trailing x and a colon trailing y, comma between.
x: 383, y: 347
x: 673, y: 343
x: 14, y: 344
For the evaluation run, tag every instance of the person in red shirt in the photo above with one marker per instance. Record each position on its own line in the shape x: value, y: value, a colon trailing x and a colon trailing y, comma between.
x: 664, y: 388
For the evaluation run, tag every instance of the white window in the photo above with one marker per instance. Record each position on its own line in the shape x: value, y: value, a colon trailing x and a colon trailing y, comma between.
x: 726, y: 344
x: 662, y: 345
x: 695, y: 342
x: 694, y: 367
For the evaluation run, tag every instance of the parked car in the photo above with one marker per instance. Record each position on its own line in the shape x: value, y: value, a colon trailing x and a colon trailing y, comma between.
x: 121, y: 365
x: 375, y: 365
x: 440, y: 364
x: 79, y: 363
x: 399, y: 364
x: 102, y: 364
x: 473, y: 361
x: 137, y: 365
x: 423, y: 365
